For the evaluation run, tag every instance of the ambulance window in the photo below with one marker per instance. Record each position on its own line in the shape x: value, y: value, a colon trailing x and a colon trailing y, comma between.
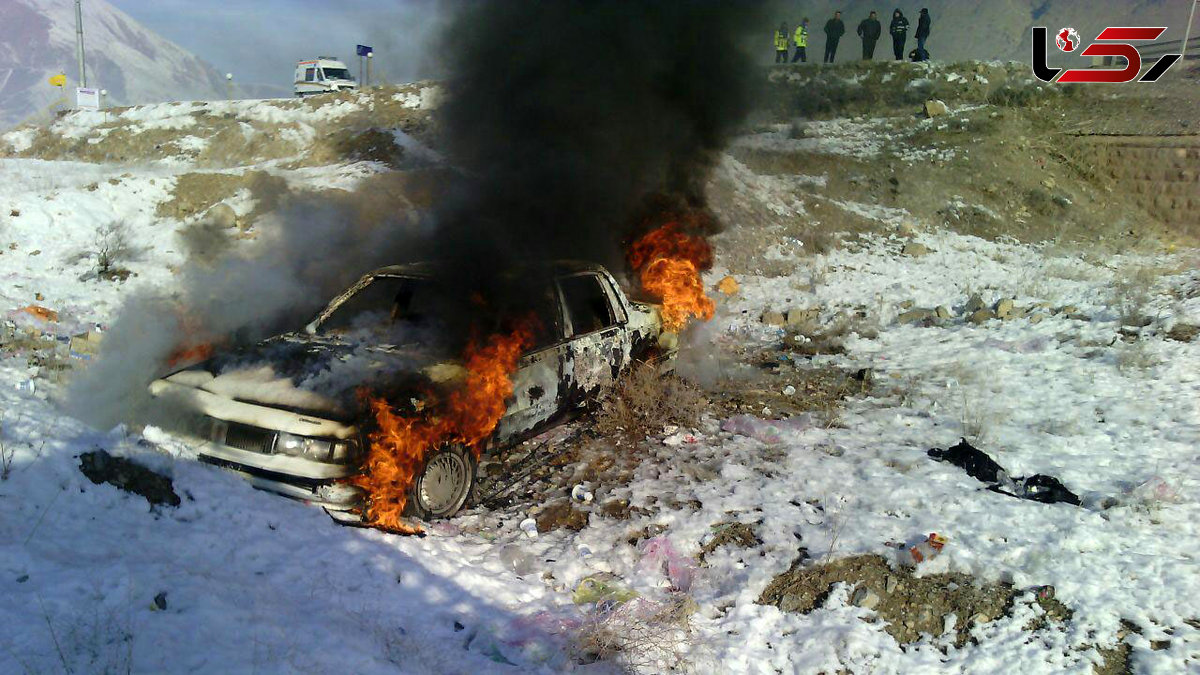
x: 310, y: 75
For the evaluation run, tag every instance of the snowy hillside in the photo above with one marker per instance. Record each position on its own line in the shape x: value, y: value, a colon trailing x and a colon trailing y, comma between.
x: 881, y: 309
x: 37, y: 40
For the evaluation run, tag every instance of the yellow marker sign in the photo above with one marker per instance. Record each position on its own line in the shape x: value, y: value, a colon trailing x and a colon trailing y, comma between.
x: 59, y: 80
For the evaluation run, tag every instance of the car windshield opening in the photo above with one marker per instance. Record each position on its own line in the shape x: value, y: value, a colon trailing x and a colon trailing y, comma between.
x: 337, y: 74
x: 388, y: 310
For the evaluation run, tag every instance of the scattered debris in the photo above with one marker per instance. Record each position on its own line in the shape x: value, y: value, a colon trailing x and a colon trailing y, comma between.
x: 530, y: 527
x: 728, y: 286
x: 770, y: 432
x: 41, y: 313
x: 659, y: 556
x: 935, y: 108
x: 601, y: 589
x: 927, y: 549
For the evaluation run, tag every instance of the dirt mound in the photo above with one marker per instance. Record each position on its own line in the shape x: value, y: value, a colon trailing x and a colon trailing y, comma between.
x: 909, y: 606
x: 315, y: 131
x: 876, y: 87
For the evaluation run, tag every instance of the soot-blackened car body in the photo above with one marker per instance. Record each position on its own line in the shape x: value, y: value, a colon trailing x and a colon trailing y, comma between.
x: 283, y: 415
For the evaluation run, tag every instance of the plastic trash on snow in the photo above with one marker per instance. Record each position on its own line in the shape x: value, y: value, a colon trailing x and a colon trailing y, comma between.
x: 659, y: 556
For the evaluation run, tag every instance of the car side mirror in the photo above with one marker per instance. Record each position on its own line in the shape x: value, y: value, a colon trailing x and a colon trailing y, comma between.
x: 311, y: 329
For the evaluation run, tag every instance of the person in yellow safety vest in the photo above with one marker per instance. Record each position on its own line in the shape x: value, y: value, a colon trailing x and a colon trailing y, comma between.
x: 801, y: 36
x: 781, y: 43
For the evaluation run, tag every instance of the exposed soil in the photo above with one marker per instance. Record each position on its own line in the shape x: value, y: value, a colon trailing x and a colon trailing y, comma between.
x: 909, y: 606
x: 737, y: 535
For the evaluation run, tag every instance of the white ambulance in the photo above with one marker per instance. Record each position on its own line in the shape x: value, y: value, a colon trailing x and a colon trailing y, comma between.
x: 322, y: 74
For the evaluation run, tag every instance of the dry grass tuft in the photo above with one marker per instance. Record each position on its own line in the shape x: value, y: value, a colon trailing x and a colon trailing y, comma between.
x: 639, y: 636
x: 644, y: 401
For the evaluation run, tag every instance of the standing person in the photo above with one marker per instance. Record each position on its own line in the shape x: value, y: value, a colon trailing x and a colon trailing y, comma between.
x: 923, y: 34
x: 781, y: 43
x: 899, y: 31
x: 834, y: 30
x: 801, y: 54
x: 869, y: 30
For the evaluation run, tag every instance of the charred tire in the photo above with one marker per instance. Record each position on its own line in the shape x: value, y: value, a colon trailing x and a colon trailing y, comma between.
x: 444, y: 485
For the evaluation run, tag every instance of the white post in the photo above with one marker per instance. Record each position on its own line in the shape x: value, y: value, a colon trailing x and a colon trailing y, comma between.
x: 104, y: 103
x: 1187, y: 33
x: 229, y: 86
x: 79, y: 42
x: 370, y: 55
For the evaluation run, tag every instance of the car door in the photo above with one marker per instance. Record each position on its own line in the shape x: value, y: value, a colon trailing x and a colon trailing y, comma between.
x: 597, y: 339
x: 537, y: 385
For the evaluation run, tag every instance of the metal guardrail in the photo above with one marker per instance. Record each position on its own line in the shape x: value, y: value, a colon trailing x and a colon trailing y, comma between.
x: 1153, y: 53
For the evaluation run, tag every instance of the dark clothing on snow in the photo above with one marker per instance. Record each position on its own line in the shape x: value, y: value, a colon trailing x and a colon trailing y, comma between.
x: 981, y: 467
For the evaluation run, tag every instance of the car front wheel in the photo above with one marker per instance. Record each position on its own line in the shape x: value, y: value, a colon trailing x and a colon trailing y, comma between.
x: 444, y: 485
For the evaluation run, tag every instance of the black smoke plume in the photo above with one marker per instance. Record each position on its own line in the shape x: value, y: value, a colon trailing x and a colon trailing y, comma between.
x: 567, y: 116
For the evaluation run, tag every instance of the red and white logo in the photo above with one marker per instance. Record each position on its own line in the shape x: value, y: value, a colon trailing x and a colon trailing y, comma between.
x: 1113, y: 42
x: 1067, y: 39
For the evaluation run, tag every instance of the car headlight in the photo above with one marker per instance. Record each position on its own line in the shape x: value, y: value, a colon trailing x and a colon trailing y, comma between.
x: 317, y: 449
x: 344, y: 452
x: 301, y: 446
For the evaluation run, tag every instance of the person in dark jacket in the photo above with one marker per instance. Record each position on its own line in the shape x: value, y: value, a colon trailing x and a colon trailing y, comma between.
x: 781, y: 43
x: 869, y: 30
x: 899, y: 31
x: 923, y: 33
x: 834, y: 30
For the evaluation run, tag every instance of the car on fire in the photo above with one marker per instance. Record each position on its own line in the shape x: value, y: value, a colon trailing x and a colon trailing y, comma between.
x: 282, y: 413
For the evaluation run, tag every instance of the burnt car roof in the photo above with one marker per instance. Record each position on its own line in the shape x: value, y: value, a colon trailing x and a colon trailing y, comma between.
x: 427, y: 269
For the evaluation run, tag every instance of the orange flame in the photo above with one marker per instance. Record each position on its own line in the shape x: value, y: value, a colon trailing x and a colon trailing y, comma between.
x: 190, y: 354
x: 196, y: 344
x: 467, y: 416
x: 668, y: 263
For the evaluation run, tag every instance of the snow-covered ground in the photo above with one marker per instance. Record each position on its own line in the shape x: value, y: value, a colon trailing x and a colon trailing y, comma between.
x: 235, y: 580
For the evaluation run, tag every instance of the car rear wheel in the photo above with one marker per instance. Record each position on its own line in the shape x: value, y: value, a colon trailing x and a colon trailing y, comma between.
x: 444, y: 484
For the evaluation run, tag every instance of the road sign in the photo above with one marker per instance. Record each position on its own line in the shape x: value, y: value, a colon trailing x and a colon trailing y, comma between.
x: 363, y: 50
x: 59, y: 80
x: 87, y: 99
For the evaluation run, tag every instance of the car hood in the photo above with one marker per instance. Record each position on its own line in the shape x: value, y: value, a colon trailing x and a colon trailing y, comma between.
x: 317, y: 375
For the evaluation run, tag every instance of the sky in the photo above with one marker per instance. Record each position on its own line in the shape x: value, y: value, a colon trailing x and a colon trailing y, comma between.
x: 260, y: 41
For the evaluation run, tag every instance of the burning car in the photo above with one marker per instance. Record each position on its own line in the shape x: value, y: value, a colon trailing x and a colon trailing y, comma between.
x: 365, y: 414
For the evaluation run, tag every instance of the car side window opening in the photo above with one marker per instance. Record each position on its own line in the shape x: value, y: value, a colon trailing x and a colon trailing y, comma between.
x: 587, y: 304
x: 546, y: 315
x: 310, y: 75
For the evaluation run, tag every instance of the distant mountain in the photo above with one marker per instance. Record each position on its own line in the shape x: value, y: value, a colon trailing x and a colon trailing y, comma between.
x: 980, y: 29
x: 135, y: 65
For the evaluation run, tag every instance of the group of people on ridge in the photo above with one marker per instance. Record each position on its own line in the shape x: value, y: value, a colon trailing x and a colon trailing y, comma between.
x: 869, y: 30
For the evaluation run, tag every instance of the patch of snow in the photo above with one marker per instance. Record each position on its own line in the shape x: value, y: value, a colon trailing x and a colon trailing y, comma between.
x: 20, y: 140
